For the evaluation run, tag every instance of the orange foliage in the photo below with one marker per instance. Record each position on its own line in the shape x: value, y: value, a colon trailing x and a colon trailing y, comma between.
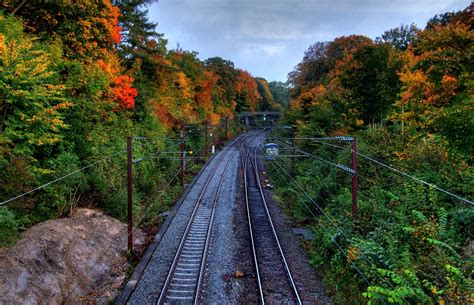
x: 112, y: 23
x: 182, y: 83
x: 123, y: 92
x: 162, y: 113
x: 313, y: 96
x: 247, y: 86
x: 205, y: 94
x: 214, y: 118
x: 106, y: 66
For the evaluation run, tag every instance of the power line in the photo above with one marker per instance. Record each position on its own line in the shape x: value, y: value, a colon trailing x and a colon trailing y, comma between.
x: 416, y: 179
x: 340, y: 166
x: 332, y: 221
x: 378, y: 163
x: 161, y: 192
x: 61, y: 178
x: 341, y: 250
x: 140, y: 138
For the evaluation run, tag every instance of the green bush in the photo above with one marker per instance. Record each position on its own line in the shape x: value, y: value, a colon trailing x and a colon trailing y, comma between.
x: 8, y: 228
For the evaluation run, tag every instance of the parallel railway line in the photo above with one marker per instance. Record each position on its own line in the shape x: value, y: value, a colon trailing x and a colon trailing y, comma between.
x: 274, y: 277
x: 184, y: 279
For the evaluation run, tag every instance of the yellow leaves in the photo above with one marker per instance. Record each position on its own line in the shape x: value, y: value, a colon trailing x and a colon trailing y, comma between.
x: 401, y: 155
x: 440, y: 36
x: 3, y: 48
x: 182, y: 83
x: 30, y: 85
x: 214, y: 118
x: 50, y: 117
x: 352, y: 254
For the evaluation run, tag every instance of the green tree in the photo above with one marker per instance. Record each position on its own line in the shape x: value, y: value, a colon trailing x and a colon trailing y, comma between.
x: 400, y: 38
x: 266, y: 102
x: 31, y: 96
x: 280, y: 92
x: 370, y: 77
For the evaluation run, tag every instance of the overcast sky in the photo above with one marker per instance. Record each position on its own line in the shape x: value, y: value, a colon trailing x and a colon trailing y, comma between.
x: 268, y: 37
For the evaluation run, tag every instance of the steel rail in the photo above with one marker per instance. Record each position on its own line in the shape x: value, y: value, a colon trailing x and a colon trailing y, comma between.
x: 172, y: 270
x: 287, y: 268
x: 164, y: 290
x: 254, y: 164
x: 211, y: 222
x: 254, y: 251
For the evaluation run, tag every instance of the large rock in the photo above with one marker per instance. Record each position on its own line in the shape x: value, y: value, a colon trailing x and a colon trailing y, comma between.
x: 68, y: 260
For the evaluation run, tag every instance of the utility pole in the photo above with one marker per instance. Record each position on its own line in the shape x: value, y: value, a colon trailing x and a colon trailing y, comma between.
x: 354, y: 178
x: 183, y: 156
x: 206, y: 145
x: 129, y: 193
x: 293, y: 151
x: 226, y: 134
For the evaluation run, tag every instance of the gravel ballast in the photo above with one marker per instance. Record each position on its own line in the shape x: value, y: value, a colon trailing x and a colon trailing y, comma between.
x: 148, y: 287
x: 229, y: 276
x: 219, y: 285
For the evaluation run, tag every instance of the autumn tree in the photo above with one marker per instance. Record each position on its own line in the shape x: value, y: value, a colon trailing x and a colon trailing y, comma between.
x: 227, y: 78
x: 437, y: 84
x: 320, y: 59
x: 247, y: 94
x: 267, y: 102
x: 31, y: 95
x: 369, y: 76
x: 33, y: 103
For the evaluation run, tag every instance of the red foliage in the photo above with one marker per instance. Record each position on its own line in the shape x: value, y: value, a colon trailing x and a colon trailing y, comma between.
x: 123, y: 91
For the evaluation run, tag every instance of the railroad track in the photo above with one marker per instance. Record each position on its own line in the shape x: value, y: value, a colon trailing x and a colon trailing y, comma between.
x: 185, y: 275
x: 274, y: 278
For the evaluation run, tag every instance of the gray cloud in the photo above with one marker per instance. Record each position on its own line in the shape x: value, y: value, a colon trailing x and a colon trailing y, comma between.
x: 268, y: 37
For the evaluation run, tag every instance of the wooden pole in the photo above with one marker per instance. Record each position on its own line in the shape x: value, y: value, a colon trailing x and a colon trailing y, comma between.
x: 206, y: 146
x: 182, y: 153
x: 293, y: 151
x: 226, y: 134
x: 354, y: 179
x: 129, y: 194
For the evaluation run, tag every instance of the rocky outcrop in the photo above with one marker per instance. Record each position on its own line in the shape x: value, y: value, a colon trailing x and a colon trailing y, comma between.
x: 65, y: 261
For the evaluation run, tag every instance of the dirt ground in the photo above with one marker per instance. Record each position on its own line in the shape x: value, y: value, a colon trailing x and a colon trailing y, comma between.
x: 81, y: 259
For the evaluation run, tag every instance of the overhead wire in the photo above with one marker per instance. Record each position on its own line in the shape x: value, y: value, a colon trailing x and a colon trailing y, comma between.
x: 326, y: 230
x: 161, y: 192
x: 412, y: 177
x: 82, y: 169
x: 62, y: 178
x: 334, y: 225
x: 416, y: 179
x: 331, y: 220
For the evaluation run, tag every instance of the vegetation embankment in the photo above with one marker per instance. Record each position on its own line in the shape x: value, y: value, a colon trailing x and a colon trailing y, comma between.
x: 407, y: 97
x: 76, y: 78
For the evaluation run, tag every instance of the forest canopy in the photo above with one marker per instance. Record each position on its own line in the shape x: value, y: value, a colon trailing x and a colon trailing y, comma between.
x: 407, y: 98
x: 77, y: 78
